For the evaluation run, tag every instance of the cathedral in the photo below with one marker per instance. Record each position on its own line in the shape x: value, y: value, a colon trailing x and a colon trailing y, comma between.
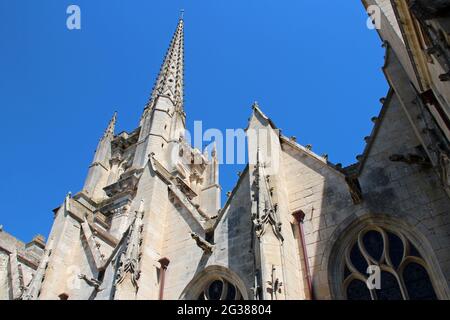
x: 149, y: 224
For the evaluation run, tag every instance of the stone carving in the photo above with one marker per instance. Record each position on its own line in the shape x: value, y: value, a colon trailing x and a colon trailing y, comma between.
x: 110, y: 129
x: 202, y: 243
x: 355, y: 189
x: 269, y: 216
x: 90, y: 281
x: 126, y: 184
x: 91, y: 242
x: 275, y: 284
x: 256, y: 289
x: 411, y: 159
x: 425, y: 12
x: 120, y: 210
x: 125, y: 164
x: 266, y: 211
x: 129, y: 260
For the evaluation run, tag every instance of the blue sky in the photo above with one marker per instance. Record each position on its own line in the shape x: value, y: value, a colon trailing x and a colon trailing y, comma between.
x: 313, y: 66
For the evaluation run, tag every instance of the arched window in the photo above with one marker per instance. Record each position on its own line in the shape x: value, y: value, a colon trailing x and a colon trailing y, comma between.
x: 403, y: 272
x: 215, y: 282
x: 220, y: 289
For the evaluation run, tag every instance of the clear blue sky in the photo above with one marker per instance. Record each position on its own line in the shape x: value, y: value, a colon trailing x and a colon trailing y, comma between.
x: 313, y: 66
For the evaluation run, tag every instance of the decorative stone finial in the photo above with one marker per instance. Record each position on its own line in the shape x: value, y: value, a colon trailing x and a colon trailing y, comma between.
x: 111, y: 126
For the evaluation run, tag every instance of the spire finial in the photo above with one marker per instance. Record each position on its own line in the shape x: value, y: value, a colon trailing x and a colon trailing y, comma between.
x: 170, y: 79
x: 181, y: 14
x: 111, y: 126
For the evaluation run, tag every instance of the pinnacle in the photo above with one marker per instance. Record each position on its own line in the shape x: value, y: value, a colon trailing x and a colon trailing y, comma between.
x: 111, y: 126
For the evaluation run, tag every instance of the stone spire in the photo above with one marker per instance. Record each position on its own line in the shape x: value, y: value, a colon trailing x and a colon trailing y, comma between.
x: 170, y: 78
x: 99, y: 168
x: 109, y: 132
x: 163, y: 119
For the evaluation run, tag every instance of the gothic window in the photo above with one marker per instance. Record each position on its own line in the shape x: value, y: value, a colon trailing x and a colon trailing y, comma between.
x: 220, y: 289
x: 403, y: 272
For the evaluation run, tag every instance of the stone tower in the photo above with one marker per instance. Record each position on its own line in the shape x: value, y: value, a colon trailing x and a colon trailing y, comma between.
x: 146, y: 196
x: 148, y: 223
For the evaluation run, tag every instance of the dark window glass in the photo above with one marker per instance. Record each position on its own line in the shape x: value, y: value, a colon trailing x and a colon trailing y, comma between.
x: 215, y: 290
x: 358, y: 260
x: 231, y: 292
x: 395, y: 249
x: 418, y: 283
x: 346, y: 272
x: 415, y: 277
x: 390, y: 289
x: 413, y: 251
x: 357, y: 290
x: 373, y: 243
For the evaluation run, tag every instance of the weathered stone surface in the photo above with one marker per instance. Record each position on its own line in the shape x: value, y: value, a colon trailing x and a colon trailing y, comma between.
x: 148, y: 225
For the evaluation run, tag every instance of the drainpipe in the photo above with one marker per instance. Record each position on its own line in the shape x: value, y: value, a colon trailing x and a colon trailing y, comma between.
x: 164, y: 262
x: 299, y: 217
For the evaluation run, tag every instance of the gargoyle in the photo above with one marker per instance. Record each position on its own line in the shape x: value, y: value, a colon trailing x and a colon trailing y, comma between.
x: 202, y: 243
x: 411, y: 159
x: 92, y: 282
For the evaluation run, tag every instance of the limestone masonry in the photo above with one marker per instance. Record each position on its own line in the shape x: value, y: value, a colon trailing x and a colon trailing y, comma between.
x: 148, y: 223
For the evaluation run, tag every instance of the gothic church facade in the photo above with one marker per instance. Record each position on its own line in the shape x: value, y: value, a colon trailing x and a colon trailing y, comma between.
x: 148, y: 223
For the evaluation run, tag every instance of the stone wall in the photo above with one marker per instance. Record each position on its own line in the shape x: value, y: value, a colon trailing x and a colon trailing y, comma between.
x: 4, y: 276
x: 406, y: 193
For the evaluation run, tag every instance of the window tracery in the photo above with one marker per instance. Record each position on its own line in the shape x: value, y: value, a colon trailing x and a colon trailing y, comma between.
x: 404, y: 273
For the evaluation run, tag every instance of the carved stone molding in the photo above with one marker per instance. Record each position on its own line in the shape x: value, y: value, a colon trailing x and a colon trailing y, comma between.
x: 355, y: 189
x: 411, y: 159
x: 129, y: 260
x: 265, y: 211
x: 269, y: 217
x: 126, y: 184
x: 274, y: 284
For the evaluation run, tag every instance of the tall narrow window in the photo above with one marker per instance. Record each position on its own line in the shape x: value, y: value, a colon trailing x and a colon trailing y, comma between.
x: 403, y: 273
